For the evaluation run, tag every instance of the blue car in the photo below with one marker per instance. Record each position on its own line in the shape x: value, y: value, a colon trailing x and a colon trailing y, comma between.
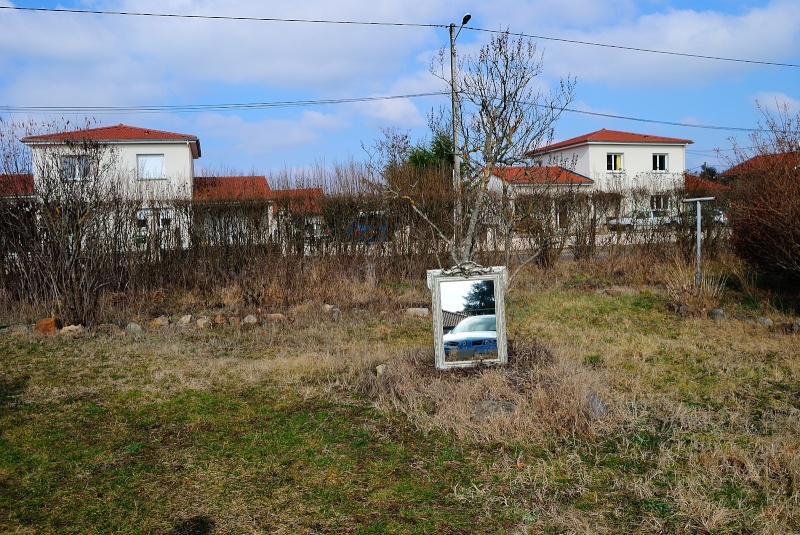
x: 475, y: 335
x: 369, y: 227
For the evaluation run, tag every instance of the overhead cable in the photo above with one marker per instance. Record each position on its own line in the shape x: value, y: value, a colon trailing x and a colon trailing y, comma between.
x: 366, y: 23
x: 194, y: 108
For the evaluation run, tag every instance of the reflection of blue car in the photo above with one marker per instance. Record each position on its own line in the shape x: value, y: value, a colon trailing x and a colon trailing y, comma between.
x: 475, y: 335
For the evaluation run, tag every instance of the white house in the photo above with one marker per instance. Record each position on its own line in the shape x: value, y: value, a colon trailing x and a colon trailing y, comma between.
x: 151, y: 167
x: 621, y: 162
x: 553, y: 181
x: 153, y: 164
x: 155, y: 170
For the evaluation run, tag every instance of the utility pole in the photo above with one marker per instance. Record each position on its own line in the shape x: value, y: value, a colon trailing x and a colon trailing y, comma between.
x: 457, y: 213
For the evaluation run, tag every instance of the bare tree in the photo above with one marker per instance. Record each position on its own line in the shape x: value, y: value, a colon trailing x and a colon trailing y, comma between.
x: 72, y: 226
x: 506, y: 114
x: 765, y: 212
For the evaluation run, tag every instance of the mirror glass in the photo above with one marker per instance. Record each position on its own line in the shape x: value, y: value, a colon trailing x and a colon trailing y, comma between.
x: 468, y: 316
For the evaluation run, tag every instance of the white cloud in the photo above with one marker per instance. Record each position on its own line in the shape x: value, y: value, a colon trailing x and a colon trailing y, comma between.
x: 398, y: 112
x: 142, y: 60
x: 550, y: 15
x: 404, y: 113
x: 773, y: 101
x: 275, y: 53
x: 768, y: 33
x: 128, y: 57
x: 267, y: 136
x: 690, y: 119
x: 201, y: 51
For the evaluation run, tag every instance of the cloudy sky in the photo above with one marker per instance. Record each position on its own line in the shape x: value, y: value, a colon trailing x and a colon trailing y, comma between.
x: 51, y: 60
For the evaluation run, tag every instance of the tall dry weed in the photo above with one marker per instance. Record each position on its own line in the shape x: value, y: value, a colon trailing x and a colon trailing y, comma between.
x: 541, y: 394
x: 635, y: 264
x: 689, y: 298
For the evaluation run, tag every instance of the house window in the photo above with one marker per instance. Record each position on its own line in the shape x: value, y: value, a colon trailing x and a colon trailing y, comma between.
x: 141, y: 218
x: 75, y: 167
x: 141, y: 232
x: 614, y: 162
x: 562, y: 214
x: 161, y: 218
x: 165, y: 218
x: 149, y: 220
x: 150, y: 166
x: 660, y: 162
x: 660, y: 202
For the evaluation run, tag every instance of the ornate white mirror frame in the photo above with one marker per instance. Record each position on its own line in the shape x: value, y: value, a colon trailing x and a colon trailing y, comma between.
x: 451, y: 288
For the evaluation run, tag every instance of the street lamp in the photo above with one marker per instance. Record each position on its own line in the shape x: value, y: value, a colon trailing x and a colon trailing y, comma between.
x: 457, y: 217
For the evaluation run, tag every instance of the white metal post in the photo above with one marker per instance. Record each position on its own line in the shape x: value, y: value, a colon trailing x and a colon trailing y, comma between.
x: 698, y: 278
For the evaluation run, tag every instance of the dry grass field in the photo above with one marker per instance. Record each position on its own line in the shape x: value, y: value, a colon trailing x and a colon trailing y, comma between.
x: 615, y: 415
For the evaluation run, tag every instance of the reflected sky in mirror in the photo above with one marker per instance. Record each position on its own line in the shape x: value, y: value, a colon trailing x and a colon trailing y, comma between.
x: 470, y: 297
x: 453, y: 293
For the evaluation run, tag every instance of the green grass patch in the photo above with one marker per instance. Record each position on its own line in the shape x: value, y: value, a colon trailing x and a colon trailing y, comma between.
x: 316, y: 464
x: 285, y: 429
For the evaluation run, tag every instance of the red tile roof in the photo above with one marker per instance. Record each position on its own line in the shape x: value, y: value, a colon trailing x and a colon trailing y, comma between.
x: 696, y: 183
x: 611, y: 136
x: 16, y: 185
x: 231, y: 188
x: 542, y: 175
x: 762, y: 162
x: 301, y: 199
x: 251, y: 188
x: 120, y: 132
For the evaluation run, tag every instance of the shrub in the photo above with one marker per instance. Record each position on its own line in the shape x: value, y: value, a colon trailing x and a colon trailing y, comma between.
x: 765, y: 214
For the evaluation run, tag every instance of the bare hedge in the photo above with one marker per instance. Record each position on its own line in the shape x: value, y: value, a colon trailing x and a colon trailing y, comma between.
x: 63, y: 254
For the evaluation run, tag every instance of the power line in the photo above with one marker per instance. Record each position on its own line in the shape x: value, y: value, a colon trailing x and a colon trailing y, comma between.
x: 216, y: 17
x: 668, y: 123
x: 648, y: 50
x: 365, y: 23
x: 194, y: 108
x: 716, y: 151
x: 189, y: 108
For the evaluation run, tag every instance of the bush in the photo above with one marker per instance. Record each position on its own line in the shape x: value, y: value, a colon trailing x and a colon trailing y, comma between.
x: 765, y: 214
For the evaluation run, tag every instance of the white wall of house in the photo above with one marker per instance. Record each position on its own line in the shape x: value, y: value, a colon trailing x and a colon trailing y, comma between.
x: 146, y: 170
x: 636, y: 169
x: 152, y: 173
x: 577, y: 159
x: 172, y: 179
